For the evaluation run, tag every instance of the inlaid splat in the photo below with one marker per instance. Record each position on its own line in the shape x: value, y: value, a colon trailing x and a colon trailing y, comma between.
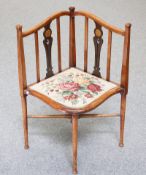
x: 98, y: 41
x: 48, y: 45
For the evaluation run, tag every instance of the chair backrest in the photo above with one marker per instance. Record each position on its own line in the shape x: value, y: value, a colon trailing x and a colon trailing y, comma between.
x: 97, y: 38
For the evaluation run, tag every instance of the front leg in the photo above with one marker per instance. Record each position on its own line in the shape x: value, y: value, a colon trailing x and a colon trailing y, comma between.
x: 74, y: 141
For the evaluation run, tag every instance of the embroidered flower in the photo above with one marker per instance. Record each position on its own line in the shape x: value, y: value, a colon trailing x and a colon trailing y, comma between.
x: 72, y: 86
x: 81, y: 80
x: 94, y: 87
x: 71, y: 97
x: 88, y: 95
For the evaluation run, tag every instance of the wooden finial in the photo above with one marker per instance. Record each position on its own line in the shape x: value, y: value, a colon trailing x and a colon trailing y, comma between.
x: 19, y: 27
x: 128, y: 25
x: 71, y: 9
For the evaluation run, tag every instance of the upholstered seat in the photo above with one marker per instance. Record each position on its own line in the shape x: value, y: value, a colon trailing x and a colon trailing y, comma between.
x: 73, y: 88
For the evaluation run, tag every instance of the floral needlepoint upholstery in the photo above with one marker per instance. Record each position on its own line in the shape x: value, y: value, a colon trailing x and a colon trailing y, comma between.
x: 73, y: 88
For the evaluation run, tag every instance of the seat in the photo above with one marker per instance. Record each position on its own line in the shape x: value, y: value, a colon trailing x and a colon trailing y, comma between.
x: 73, y: 91
x: 74, y: 88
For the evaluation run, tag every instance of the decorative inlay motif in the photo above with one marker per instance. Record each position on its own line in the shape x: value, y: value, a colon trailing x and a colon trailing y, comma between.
x: 73, y: 88
x: 98, y: 33
x: 48, y: 33
x: 48, y: 45
x: 98, y: 41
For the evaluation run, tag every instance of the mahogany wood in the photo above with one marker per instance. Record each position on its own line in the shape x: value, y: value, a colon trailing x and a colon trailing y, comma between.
x: 66, y: 116
x: 48, y: 44
x: 122, y: 119
x: 124, y: 80
x: 21, y: 61
x: 98, y: 115
x: 51, y: 116
x: 45, y: 22
x: 109, y: 55
x: 86, y: 45
x: 59, y: 43
x: 100, y: 22
x: 75, y: 141
x: 77, y: 13
x: 37, y: 57
x: 25, y: 122
x: 72, y: 43
x: 125, y: 63
x: 98, y: 41
x: 22, y: 82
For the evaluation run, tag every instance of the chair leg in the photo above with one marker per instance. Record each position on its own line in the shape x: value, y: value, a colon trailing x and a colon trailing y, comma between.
x: 75, y: 141
x: 122, y: 119
x: 25, y: 123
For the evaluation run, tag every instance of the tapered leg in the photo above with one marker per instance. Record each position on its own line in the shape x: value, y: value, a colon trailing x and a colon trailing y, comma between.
x: 75, y: 141
x: 122, y: 119
x: 25, y: 124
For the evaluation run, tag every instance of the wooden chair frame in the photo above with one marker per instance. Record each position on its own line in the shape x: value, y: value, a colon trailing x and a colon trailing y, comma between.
x: 73, y: 114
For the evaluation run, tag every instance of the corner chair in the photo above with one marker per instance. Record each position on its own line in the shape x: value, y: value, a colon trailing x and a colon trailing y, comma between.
x: 73, y: 91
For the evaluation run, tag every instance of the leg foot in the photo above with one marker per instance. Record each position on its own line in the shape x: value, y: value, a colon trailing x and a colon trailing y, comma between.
x: 121, y: 145
x: 26, y: 147
x: 75, y: 172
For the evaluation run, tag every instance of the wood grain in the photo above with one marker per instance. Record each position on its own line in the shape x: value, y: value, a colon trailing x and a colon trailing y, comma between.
x: 22, y: 82
x: 75, y: 141
x: 86, y: 45
x: 45, y: 22
x: 125, y: 62
x: 109, y: 55
x: 66, y: 116
x: 21, y: 61
x: 25, y: 121
x: 48, y: 39
x: 37, y: 56
x: 98, y: 41
x: 100, y: 22
x: 72, y: 42
x: 77, y: 13
x: 122, y: 119
x: 59, y: 43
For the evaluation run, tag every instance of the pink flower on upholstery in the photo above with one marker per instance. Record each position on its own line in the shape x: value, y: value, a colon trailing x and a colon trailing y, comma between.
x: 72, y: 86
x: 94, y: 87
x: 71, y: 97
x: 88, y: 95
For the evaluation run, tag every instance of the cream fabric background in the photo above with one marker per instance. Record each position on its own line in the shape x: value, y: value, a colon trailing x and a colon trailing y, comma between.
x: 61, y: 78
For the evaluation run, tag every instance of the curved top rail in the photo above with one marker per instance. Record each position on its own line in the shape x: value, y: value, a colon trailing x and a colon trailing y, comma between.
x: 100, y: 21
x: 45, y: 22
x: 76, y: 13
